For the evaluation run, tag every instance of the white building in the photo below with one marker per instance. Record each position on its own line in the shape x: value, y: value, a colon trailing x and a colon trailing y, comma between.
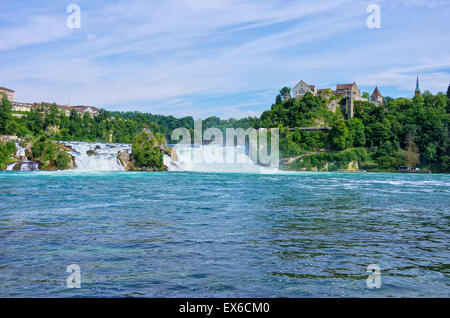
x: 302, y: 88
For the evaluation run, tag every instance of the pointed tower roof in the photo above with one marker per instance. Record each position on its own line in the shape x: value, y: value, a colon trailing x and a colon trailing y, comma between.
x: 376, y: 92
x: 417, y: 85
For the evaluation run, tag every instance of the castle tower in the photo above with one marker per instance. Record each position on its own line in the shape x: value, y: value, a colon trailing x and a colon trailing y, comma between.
x: 349, y: 106
x: 417, y: 92
x: 376, y: 97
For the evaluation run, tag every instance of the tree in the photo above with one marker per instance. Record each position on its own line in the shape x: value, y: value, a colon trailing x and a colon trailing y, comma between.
x: 356, y: 131
x: 365, y: 95
x: 339, y: 135
x: 146, y: 152
x: 5, y: 113
x: 285, y: 90
x: 411, y: 153
x: 278, y: 99
x: 448, y: 91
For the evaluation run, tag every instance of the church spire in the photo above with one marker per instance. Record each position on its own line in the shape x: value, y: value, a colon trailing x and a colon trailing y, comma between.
x: 417, y: 92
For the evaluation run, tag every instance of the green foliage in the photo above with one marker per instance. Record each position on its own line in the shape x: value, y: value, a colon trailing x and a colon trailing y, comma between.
x: 340, y: 136
x: 331, y: 161
x: 49, y: 154
x: 62, y: 160
x: 6, y: 151
x: 382, y: 130
x: 146, y: 152
x: 5, y: 113
x: 356, y: 132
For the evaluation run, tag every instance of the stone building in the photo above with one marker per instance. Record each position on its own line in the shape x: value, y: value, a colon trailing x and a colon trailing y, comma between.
x: 349, y: 106
x: 376, y: 97
x: 302, y: 88
x: 9, y: 93
x: 345, y: 89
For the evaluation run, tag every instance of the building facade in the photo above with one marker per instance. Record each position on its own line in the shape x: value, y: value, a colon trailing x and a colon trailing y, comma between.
x: 376, y: 97
x: 302, y: 88
x: 8, y: 92
x: 21, y: 107
x: 345, y: 89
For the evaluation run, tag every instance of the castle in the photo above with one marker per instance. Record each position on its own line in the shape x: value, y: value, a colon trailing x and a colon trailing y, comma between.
x: 349, y: 92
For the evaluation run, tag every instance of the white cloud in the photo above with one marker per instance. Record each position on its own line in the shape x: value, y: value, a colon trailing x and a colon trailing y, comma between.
x: 41, y: 29
x: 171, y: 56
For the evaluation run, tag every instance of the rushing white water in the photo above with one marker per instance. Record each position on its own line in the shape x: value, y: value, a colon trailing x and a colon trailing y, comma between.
x: 29, y: 166
x: 25, y: 165
x: 216, y: 158
x: 104, y: 157
x: 206, y: 158
x: 20, y: 150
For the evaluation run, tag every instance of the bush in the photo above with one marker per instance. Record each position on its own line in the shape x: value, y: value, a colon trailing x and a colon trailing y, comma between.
x: 336, y: 160
x: 6, y: 151
x: 62, y: 160
x: 145, y: 151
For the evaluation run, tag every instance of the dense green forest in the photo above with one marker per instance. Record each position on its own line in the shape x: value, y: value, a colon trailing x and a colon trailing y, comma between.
x: 412, y: 132
x: 119, y: 127
x: 403, y: 131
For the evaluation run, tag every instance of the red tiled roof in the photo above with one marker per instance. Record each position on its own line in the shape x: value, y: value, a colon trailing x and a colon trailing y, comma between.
x: 376, y: 92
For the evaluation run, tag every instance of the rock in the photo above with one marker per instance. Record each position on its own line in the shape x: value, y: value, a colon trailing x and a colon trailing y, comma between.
x: 28, y: 144
x: 173, y: 155
x: 71, y: 163
x: 126, y: 160
x: 91, y: 153
x: 64, y: 147
x: 97, y: 148
x: 17, y: 166
x: 353, y: 165
x: 164, y: 168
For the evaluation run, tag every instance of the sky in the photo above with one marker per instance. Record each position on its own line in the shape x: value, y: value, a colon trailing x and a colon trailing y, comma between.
x: 224, y: 58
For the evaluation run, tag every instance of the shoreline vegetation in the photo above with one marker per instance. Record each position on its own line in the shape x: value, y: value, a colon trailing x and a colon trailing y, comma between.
x: 403, y: 132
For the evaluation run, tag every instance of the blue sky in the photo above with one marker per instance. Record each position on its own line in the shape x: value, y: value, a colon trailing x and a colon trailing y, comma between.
x: 226, y: 58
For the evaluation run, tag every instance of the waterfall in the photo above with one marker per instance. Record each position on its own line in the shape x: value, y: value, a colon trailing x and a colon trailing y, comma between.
x: 29, y: 166
x: 20, y: 150
x: 213, y: 158
x: 198, y: 158
x: 103, y: 157
x: 25, y: 165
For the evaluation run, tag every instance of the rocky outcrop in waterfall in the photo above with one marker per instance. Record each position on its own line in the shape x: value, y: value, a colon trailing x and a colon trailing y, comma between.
x: 127, y: 161
x: 43, y: 154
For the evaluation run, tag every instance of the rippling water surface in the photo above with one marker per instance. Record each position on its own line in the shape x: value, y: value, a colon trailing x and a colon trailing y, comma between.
x: 224, y: 235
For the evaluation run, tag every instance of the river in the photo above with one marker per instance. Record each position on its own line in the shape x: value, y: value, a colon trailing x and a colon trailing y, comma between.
x: 196, y: 234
